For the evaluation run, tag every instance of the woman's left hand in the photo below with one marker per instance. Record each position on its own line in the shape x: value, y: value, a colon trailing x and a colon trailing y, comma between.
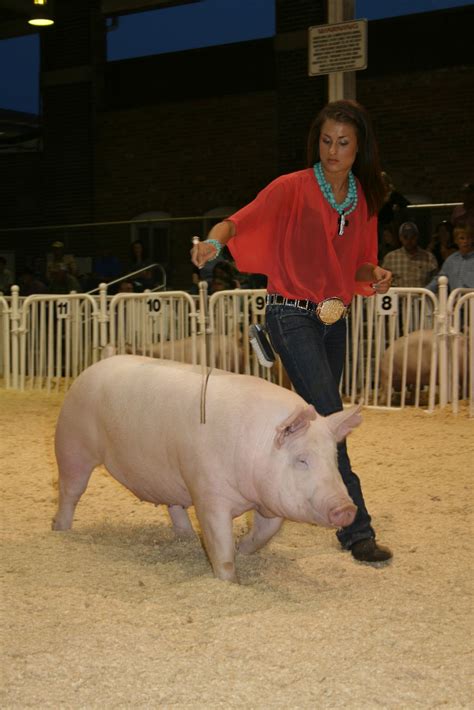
x: 382, y: 280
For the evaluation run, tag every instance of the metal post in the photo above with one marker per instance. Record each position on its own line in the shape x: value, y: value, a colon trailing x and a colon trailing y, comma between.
x: 103, y: 315
x: 204, y: 325
x: 341, y: 85
x: 442, y: 332
x: 15, y: 331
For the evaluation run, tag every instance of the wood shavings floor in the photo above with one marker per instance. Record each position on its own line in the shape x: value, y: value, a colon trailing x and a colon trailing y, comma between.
x: 118, y: 614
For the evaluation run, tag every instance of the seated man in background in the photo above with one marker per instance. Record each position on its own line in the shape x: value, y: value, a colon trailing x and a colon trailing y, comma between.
x: 61, y: 281
x: 57, y: 258
x: 126, y: 286
x: 30, y: 284
x: 459, y: 267
x: 411, y: 266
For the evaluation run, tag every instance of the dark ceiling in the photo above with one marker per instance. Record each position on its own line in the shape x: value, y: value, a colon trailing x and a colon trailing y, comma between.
x: 14, y: 13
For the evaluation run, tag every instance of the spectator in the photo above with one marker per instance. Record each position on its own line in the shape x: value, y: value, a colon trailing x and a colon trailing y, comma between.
x: 220, y: 284
x: 126, y: 286
x: 388, y: 242
x: 57, y: 257
x: 255, y: 281
x: 139, y: 260
x: 6, y: 277
x: 226, y: 272
x: 393, y: 209
x: 30, y: 284
x: 442, y: 243
x: 61, y: 281
x: 410, y: 265
x: 38, y: 267
x: 203, y: 274
x: 106, y: 266
x: 459, y: 267
x: 195, y: 279
x: 463, y: 215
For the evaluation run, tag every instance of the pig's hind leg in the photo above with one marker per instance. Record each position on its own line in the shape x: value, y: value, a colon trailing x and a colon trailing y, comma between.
x: 74, y: 472
x: 262, y: 530
x: 181, y: 522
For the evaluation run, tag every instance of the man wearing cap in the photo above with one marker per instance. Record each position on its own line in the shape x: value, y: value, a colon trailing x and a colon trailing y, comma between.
x: 411, y: 266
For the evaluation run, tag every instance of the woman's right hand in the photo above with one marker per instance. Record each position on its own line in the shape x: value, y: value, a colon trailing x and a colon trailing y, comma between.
x: 202, y: 252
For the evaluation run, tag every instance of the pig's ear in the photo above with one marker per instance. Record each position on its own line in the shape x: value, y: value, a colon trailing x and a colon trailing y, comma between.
x: 296, y: 424
x: 342, y: 423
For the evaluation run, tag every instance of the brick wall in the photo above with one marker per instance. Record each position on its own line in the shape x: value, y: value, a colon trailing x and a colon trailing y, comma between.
x: 184, y: 157
x: 424, y: 126
x: 299, y: 97
x: 72, y: 60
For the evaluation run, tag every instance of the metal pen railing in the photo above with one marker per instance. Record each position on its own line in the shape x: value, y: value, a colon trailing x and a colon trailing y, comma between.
x: 126, y: 277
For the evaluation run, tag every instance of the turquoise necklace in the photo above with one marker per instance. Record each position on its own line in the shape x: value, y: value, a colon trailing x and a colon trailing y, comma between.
x: 343, y: 208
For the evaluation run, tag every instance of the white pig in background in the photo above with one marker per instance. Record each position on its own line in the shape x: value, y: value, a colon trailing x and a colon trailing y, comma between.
x: 419, y: 345
x: 261, y: 448
x: 419, y: 348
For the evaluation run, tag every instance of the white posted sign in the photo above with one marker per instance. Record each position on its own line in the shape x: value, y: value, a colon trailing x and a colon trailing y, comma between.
x: 337, y: 47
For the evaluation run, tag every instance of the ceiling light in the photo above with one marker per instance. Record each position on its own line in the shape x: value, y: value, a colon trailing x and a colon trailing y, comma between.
x: 40, y: 15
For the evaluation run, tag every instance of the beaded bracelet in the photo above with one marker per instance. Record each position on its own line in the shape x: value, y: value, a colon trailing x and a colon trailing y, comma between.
x: 218, y: 247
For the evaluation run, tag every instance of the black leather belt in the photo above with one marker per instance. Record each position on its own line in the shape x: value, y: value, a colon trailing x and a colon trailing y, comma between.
x: 274, y: 299
x: 328, y: 311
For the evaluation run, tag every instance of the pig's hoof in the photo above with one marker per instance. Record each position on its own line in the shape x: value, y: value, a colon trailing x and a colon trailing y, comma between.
x: 246, y: 546
x: 58, y: 526
x: 368, y: 551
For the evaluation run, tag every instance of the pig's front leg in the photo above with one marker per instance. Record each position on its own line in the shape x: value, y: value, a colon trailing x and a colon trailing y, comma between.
x: 259, y: 534
x: 216, y: 527
x: 181, y: 522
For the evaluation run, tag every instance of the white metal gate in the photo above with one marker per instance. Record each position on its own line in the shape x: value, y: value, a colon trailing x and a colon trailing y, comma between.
x: 54, y: 338
x: 407, y: 347
x: 160, y: 324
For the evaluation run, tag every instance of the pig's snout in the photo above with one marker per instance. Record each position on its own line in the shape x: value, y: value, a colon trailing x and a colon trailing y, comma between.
x: 343, y: 515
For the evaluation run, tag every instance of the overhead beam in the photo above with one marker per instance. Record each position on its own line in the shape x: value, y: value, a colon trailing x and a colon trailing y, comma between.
x: 120, y: 7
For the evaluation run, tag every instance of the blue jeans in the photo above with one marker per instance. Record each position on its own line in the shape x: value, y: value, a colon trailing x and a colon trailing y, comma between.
x: 313, y: 356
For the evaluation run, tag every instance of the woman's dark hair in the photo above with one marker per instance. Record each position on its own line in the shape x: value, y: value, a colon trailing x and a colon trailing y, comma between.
x: 447, y: 225
x: 132, y: 251
x: 367, y: 164
x: 225, y: 268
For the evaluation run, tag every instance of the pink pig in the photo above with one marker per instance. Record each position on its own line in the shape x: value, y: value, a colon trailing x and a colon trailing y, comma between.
x: 261, y: 448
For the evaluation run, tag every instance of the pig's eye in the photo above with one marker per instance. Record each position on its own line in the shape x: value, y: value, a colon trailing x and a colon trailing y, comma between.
x: 301, y: 462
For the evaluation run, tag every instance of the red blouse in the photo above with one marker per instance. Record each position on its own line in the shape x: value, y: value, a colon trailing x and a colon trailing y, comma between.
x: 289, y: 233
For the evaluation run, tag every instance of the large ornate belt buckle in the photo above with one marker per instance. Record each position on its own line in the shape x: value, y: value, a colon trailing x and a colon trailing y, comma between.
x: 330, y: 310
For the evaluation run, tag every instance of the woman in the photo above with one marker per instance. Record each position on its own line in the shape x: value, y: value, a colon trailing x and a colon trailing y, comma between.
x: 442, y: 243
x: 314, y: 234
